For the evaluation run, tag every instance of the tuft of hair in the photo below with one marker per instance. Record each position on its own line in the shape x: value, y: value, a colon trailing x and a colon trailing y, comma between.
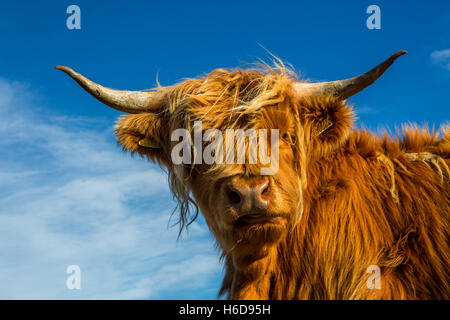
x: 221, y: 99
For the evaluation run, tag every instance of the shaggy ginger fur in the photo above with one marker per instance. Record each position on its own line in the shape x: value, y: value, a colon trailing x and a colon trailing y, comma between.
x: 348, y: 198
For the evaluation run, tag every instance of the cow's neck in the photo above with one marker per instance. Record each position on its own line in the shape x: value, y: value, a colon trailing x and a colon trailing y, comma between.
x: 253, y: 282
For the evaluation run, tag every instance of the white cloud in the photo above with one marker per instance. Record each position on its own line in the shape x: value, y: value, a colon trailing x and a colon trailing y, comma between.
x: 442, y: 58
x: 69, y: 196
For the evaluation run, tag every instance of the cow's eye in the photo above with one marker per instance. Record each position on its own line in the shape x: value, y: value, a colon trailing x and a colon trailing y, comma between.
x: 286, y: 136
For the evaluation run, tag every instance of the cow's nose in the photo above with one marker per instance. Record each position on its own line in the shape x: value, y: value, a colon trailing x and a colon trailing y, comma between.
x: 248, y: 197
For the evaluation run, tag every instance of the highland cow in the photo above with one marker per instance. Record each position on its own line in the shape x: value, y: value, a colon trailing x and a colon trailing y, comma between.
x: 343, y: 199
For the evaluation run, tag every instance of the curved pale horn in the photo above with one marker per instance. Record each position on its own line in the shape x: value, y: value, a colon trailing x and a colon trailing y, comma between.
x: 126, y: 101
x: 343, y: 89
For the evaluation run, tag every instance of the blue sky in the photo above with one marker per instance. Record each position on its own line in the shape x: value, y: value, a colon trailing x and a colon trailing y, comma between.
x: 67, y: 193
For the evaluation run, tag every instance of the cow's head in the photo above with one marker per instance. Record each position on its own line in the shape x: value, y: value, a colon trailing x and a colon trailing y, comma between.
x: 244, y: 208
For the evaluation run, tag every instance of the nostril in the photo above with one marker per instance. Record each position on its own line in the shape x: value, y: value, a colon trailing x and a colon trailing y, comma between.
x: 234, y: 196
x: 265, y: 191
x: 248, y: 196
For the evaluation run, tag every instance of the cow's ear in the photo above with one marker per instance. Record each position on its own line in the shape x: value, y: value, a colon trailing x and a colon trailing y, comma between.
x: 327, y: 124
x: 145, y: 134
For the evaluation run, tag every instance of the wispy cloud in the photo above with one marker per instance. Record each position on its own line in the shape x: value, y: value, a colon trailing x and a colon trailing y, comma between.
x: 364, y: 109
x: 69, y: 196
x: 441, y: 58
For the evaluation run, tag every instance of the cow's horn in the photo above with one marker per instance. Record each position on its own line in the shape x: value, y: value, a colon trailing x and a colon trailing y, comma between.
x: 343, y: 89
x: 126, y: 101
